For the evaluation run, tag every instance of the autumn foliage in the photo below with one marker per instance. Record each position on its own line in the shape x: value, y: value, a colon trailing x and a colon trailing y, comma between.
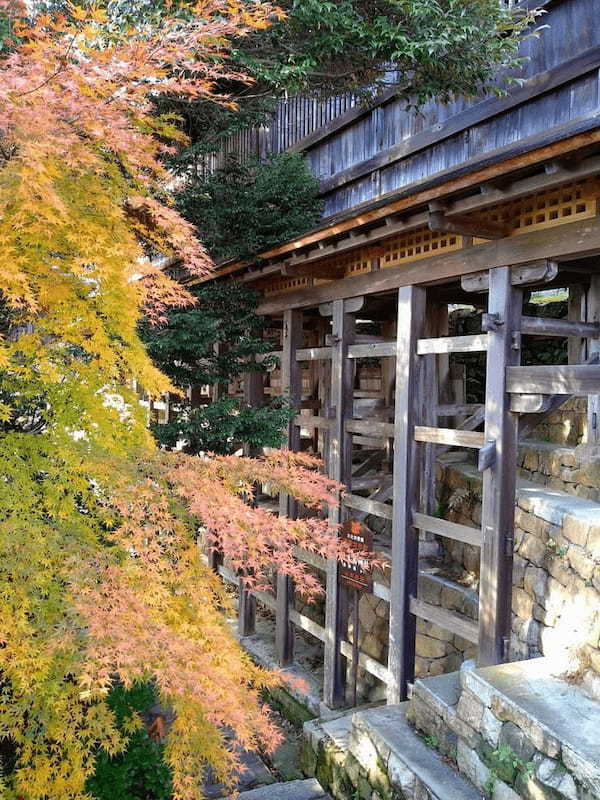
x: 101, y: 579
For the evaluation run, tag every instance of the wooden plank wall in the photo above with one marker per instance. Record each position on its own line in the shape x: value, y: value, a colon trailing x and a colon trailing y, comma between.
x: 388, y: 148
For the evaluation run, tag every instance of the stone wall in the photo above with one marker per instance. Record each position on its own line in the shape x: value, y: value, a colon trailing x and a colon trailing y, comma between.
x: 515, y: 731
x: 556, y: 575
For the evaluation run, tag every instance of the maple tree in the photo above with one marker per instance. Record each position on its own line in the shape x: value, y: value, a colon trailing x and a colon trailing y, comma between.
x: 101, y: 580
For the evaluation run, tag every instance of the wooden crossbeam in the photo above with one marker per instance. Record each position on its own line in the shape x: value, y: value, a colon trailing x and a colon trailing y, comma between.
x: 372, y: 350
x: 368, y: 506
x: 544, y: 326
x: 370, y: 427
x: 456, y: 623
x: 369, y: 664
x: 559, y: 379
x: 540, y: 271
x: 450, y: 436
x: 450, y: 530
x: 465, y: 226
x: 313, y: 354
x: 312, y: 422
x: 453, y: 344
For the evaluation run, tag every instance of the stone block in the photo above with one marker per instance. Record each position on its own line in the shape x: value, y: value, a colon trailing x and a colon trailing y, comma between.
x: 428, y: 647
x: 400, y: 776
x: 536, y: 734
x: 535, y: 581
x: 583, y: 770
x: 470, y: 709
x: 429, y: 590
x: 533, y: 549
x: 452, y: 597
x: 519, y: 565
x: 581, y: 562
x: 503, y: 792
x: 522, y: 603
x: 433, y: 630
x: 471, y: 765
x: 490, y: 728
x: 514, y: 737
x: 553, y: 775
x: 576, y: 530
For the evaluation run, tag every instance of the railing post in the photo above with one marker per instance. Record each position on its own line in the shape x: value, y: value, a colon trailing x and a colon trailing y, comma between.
x: 405, y: 537
x: 593, y: 315
x: 340, y: 469
x: 499, y: 479
x: 291, y: 385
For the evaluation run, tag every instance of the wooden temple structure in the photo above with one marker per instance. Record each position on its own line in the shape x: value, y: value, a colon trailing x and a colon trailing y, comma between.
x: 477, y: 203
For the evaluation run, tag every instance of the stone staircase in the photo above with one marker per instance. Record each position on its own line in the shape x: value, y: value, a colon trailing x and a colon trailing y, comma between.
x: 309, y: 789
x: 507, y: 732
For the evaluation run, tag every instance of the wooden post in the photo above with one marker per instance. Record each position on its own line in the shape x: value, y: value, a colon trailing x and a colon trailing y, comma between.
x: 499, y: 479
x: 405, y: 537
x: 291, y: 385
x: 340, y: 469
x: 253, y: 396
x: 593, y: 315
x: 576, y: 311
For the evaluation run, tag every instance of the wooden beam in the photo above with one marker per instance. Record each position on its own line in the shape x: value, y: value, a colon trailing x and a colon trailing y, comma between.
x: 529, y: 403
x: 340, y: 469
x: 450, y: 530
x: 455, y: 623
x: 542, y: 271
x: 546, y: 326
x: 291, y: 384
x: 499, y: 479
x: 365, y: 661
x: 405, y: 538
x: 368, y: 506
x: 559, y: 243
x: 529, y: 421
x: 449, y: 436
x: 313, y: 353
x: 453, y: 344
x: 370, y: 427
x: 372, y: 350
x: 411, y: 197
x: 558, y: 379
x: 466, y: 226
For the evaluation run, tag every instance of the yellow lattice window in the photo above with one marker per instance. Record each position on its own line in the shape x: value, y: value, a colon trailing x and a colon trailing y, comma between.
x: 418, y: 244
x: 354, y: 263
x: 287, y: 285
x: 547, y: 209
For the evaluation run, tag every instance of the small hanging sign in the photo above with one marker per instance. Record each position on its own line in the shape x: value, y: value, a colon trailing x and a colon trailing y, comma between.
x: 358, y: 574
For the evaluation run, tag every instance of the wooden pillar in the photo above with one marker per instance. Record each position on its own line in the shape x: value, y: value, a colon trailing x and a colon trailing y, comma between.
x: 405, y: 537
x: 340, y: 469
x: 253, y: 396
x: 499, y: 478
x: 576, y: 311
x: 593, y: 315
x: 291, y: 386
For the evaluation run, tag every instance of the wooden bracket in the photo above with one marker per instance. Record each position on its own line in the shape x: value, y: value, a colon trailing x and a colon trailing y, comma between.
x: 487, y: 456
x: 541, y: 271
x: 351, y: 306
x: 529, y: 403
x: 464, y: 225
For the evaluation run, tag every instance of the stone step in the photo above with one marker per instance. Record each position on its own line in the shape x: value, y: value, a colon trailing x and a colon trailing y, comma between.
x: 383, y: 742
x: 572, y: 469
x: 551, y: 723
x: 309, y: 789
